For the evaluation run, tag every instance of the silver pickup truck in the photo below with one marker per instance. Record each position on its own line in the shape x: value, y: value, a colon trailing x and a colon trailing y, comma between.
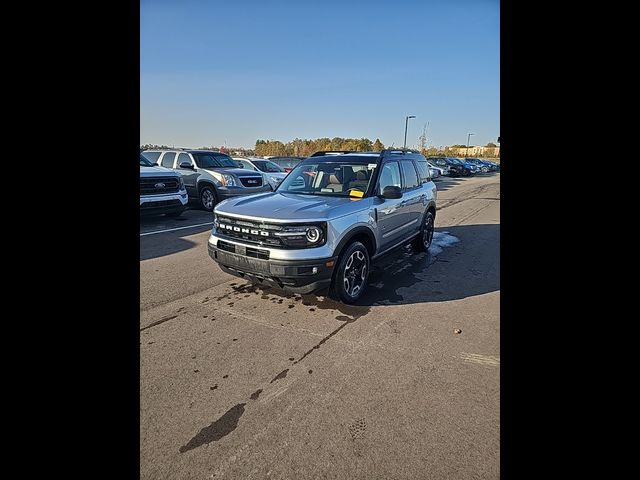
x: 330, y: 218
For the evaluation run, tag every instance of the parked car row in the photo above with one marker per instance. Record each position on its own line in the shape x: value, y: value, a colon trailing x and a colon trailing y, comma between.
x: 209, y: 176
x: 322, y: 224
x: 464, y: 167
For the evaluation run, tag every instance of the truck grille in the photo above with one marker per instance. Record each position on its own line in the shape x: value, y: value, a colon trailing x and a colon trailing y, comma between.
x: 161, y: 203
x: 249, y: 252
x: 249, y: 231
x: 251, y: 181
x: 158, y: 185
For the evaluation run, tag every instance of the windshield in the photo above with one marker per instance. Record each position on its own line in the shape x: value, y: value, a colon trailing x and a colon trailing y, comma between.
x: 333, y: 178
x: 212, y: 160
x: 144, y: 162
x: 455, y: 161
x: 268, y: 167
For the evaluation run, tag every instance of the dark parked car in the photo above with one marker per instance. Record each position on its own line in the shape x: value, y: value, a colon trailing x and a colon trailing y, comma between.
x: 482, y: 166
x: 456, y: 167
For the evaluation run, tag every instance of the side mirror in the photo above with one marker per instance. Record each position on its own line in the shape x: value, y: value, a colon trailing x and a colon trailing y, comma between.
x: 186, y: 164
x: 391, y: 191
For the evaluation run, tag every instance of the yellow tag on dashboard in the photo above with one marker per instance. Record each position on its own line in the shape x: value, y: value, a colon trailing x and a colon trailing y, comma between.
x: 356, y: 193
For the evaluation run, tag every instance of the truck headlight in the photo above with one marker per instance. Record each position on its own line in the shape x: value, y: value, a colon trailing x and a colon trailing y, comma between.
x: 181, y: 183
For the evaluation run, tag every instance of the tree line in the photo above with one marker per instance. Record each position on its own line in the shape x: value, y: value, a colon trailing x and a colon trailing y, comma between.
x: 305, y: 147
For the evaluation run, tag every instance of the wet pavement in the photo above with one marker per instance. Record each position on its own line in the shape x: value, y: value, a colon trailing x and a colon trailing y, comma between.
x: 245, y: 382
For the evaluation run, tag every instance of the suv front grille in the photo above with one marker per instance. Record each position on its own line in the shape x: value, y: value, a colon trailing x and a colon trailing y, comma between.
x: 250, y: 231
x: 250, y: 252
x: 251, y: 181
x: 158, y: 185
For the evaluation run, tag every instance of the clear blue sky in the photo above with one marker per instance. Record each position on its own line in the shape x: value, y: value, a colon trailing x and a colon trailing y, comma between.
x: 234, y: 71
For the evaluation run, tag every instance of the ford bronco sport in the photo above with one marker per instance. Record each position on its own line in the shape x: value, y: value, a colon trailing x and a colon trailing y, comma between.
x: 327, y: 221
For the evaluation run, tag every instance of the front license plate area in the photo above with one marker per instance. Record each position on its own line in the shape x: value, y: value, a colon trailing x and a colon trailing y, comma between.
x: 243, y: 263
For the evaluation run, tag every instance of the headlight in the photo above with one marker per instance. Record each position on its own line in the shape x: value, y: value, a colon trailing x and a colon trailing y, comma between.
x: 228, y: 180
x: 181, y: 183
x: 224, y: 179
x: 275, y: 179
x: 302, y: 235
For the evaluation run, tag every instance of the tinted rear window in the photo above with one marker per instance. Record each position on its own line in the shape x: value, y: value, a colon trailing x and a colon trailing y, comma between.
x: 423, y: 171
x: 151, y: 156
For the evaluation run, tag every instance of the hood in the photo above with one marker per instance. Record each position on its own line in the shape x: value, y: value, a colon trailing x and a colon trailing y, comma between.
x: 238, y: 172
x: 157, y: 172
x: 289, y: 206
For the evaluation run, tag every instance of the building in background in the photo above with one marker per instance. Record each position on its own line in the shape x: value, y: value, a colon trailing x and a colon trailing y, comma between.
x: 476, y: 151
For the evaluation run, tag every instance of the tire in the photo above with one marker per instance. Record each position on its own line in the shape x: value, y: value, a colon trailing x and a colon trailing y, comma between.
x: 208, y: 198
x: 350, y: 281
x: 424, y: 239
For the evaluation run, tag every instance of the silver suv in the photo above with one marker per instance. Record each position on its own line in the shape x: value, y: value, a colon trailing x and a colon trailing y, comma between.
x: 208, y: 175
x: 327, y: 221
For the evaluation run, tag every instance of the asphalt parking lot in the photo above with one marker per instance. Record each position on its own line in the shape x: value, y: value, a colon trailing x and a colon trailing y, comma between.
x: 250, y: 383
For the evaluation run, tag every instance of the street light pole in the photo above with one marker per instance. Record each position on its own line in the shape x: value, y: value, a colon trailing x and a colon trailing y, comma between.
x: 467, y: 152
x: 406, y: 123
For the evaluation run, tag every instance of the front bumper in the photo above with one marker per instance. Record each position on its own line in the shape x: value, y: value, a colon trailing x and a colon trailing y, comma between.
x: 158, y: 204
x: 228, y: 192
x: 298, y: 276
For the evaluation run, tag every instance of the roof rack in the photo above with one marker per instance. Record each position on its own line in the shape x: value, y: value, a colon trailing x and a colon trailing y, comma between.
x: 396, y: 151
x: 322, y: 153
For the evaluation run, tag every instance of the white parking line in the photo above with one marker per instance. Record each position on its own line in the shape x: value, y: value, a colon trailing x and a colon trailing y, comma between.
x: 174, y: 229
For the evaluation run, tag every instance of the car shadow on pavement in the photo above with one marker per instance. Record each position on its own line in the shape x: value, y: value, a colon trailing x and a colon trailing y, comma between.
x: 464, y: 269
x: 160, y: 245
x: 445, y: 183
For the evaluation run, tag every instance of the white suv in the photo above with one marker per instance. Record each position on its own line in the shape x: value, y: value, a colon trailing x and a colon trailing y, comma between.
x: 161, y: 190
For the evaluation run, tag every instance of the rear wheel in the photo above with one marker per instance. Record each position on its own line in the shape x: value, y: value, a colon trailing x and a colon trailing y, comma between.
x: 423, y: 241
x: 208, y: 198
x: 352, y: 273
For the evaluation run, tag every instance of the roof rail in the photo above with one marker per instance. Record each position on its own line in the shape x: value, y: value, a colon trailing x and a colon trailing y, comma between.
x: 396, y: 151
x: 322, y: 153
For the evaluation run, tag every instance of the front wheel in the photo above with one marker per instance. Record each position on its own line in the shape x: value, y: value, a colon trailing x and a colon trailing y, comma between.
x: 352, y: 273
x: 208, y: 198
x: 425, y: 237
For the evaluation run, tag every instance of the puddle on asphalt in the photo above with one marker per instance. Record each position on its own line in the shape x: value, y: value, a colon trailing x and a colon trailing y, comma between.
x: 222, y: 427
x: 281, y: 375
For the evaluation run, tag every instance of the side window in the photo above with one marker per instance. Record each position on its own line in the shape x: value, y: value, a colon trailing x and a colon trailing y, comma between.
x: 390, y: 175
x: 167, y: 159
x: 423, y: 172
x: 409, y: 174
x: 151, y: 156
x: 183, y: 157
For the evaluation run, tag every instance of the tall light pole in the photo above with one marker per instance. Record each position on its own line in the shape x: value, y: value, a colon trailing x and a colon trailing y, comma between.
x: 406, y: 123
x: 467, y: 152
